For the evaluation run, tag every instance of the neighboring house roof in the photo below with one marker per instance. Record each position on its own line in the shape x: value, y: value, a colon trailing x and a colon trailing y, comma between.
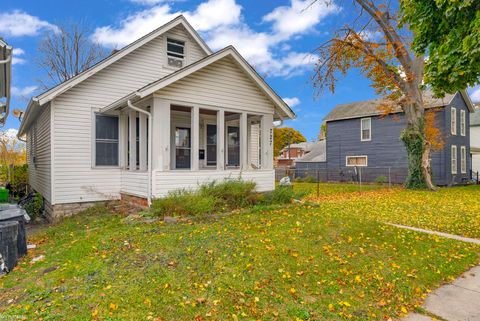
x: 198, y: 65
x: 475, y: 117
x: 371, y: 107
x: 317, y: 154
x: 306, y: 146
x: 50, y: 94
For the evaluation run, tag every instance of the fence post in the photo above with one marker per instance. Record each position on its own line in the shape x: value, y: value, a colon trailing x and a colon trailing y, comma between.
x: 318, y: 183
x: 360, y: 175
x: 389, y: 178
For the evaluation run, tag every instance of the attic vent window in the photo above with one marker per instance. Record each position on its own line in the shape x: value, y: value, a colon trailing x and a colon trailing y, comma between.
x: 175, y: 53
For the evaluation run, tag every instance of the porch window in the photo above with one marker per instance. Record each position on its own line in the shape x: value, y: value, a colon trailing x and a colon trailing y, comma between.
x: 233, y: 144
x: 106, y: 140
x: 182, y: 147
x: 211, y: 145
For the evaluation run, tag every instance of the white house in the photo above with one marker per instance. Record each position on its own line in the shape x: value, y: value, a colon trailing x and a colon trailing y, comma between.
x: 475, y: 141
x: 163, y: 113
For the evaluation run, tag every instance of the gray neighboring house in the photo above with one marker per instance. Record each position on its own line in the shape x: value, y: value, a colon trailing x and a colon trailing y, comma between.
x: 475, y: 140
x: 360, y: 136
x: 6, y: 52
x: 315, y: 159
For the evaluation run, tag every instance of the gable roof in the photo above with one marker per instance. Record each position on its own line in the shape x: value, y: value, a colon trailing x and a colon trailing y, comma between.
x: 317, y: 154
x: 229, y: 51
x: 306, y: 146
x: 369, y: 108
x: 50, y: 94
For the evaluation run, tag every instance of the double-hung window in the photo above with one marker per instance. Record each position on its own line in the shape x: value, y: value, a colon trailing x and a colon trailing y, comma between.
x: 175, y: 53
x: 454, y: 159
x: 106, y: 140
x: 366, y: 129
x: 463, y: 121
x: 463, y: 159
x: 357, y: 161
x: 453, y: 120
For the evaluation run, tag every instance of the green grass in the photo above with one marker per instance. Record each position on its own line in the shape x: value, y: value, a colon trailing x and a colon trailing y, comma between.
x: 330, y: 262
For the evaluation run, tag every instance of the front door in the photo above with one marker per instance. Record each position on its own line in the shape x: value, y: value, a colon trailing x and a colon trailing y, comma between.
x: 182, y: 147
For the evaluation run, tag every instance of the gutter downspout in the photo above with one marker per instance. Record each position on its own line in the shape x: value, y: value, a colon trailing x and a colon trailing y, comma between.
x: 7, y: 61
x: 149, y: 166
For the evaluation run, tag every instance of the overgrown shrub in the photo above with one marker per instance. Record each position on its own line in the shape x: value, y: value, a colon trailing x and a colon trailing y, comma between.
x: 231, y: 194
x: 282, y: 195
x: 382, y: 179
x: 184, y: 203
x: 19, y: 181
x: 34, y: 207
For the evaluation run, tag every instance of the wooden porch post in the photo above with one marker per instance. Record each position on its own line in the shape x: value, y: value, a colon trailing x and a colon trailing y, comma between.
x: 161, y: 134
x: 243, y: 142
x: 132, y: 138
x: 266, y: 124
x: 221, y: 140
x: 195, y: 137
x: 143, y: 141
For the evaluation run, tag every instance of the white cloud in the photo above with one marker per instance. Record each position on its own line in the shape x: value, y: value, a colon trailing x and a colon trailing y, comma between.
x: 292, y: 102
x: 24, y: 92
x: 18, y: 60
x: 207, y: 16
x: 475, y: 94
x: 221, y: 24
x: 299, y: 17
x: 147, y: 2
x: 18, y: 23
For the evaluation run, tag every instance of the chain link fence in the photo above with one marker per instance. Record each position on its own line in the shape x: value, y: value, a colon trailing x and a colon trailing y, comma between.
x: 360, y: 175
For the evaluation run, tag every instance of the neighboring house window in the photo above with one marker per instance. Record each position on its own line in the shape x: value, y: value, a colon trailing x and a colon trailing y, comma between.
x: 462, y: 122
x: 463, y: 159
x: 175, y: 53
x: 106, y: 140
x: 366, y: 124
x: 453, y: 121
x: 233, y: 143
x: 454, y: 159
x: 357, y: 161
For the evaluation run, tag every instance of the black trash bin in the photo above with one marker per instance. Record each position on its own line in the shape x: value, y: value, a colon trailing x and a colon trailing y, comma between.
x: 13, y: 213
x: 8, y: 244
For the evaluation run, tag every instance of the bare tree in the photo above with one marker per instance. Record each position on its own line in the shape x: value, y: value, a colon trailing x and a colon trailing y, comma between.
x: 375, y: 42
x: 66, y: 52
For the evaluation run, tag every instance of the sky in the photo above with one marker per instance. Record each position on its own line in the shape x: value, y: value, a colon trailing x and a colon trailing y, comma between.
x: 277, y: 37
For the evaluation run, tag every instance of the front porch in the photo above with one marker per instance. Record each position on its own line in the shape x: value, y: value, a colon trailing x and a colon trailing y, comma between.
x: 191, y: 144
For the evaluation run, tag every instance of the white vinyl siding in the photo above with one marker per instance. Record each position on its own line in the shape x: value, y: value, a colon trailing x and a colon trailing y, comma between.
x: 164, y: 182
x: 453, y: 120
x: 356, y: 161
x: 463, y: 159
x: 463, y: 122
x: 39, y: 146
x: 221, y: 84
x: 454, y: 159
x: 366, y: 129
x: 76, y: 180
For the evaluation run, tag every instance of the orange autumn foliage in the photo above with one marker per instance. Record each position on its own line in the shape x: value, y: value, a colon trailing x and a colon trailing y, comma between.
x: 433, y: 134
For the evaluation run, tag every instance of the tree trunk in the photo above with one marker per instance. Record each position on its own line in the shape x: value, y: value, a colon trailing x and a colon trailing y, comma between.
x: 418, y: 151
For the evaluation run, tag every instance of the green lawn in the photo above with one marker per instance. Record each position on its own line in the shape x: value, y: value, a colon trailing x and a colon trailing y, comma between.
x: 452, y: 210
x: 331, y: 262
